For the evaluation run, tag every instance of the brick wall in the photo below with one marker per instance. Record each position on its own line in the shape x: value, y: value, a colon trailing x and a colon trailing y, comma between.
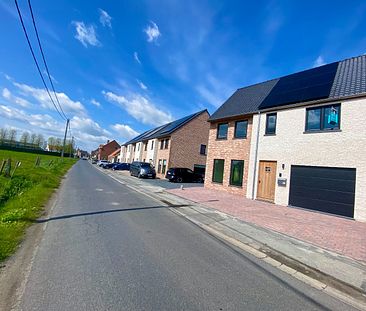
x: 107, y: 149
x: 229, y: 149
x: 186, y: 143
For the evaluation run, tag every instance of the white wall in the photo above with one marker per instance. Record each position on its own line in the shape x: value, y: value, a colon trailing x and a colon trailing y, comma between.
x: 291, y: 146
x: 151, y: 153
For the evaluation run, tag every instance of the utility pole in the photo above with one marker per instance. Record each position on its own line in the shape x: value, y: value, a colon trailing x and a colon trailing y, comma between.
x: 72, y: 145
x: 63, y: 146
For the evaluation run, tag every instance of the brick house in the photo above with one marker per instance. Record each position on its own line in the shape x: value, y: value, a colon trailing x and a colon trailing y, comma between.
x: 305, y: 144
x: 105, y: 150
x: 113, y: 157
x: 181, y: 143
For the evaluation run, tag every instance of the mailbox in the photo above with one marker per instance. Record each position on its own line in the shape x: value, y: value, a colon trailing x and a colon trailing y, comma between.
x: 282, y: 182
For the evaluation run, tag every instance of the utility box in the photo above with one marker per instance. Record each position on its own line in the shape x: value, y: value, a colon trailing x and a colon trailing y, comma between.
x: 282, y: 182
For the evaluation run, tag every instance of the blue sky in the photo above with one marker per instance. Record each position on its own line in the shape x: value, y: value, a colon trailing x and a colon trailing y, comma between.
x: 122, y: 67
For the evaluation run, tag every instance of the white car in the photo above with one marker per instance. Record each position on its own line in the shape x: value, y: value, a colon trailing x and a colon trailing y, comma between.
x: 100, y: 162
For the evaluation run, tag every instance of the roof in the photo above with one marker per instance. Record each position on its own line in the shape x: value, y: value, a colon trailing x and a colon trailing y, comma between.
x: 336, y: 80
x: 244, y: 101
x: 165, y: 129
x: 115, y: 152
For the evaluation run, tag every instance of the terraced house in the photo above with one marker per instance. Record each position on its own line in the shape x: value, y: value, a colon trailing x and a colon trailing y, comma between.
x: 298, y: 140
x: 181, y: 143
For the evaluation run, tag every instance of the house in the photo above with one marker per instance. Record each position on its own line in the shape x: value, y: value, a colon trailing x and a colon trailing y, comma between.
x: 113, y: 157
x: 105, y: 150
x: 305, y: 140
x: 181, y: 143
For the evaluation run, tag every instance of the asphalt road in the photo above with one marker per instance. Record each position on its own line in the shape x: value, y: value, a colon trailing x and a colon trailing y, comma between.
x: 106, y: 247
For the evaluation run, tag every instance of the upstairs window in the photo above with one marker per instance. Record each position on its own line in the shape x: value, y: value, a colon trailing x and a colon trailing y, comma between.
x: 323, y: 118
x: 241, y: 129
x: 203, y: 149
x: 138, y: 147
x: 222, y: 131
x: 146, y: 146
x: 152, y: 145
x: 271, y: 123
x: 162, y: 144
x: 166, y: 143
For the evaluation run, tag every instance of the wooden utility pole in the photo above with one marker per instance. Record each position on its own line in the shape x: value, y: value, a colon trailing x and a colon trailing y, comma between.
x: 63, y: 146
x: 72, y: 145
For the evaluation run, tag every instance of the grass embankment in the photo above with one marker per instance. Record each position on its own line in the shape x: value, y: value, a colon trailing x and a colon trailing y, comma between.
x: 23, y: 197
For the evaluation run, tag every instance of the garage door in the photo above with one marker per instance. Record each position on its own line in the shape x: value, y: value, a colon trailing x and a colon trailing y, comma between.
x: 325, y: 189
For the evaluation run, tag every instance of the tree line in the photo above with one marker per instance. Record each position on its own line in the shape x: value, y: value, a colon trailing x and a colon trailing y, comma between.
x: 33, y: 140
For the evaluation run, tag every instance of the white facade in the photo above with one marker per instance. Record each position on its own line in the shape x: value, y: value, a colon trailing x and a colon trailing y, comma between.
x: 152, y: 151
x: 292, y: 146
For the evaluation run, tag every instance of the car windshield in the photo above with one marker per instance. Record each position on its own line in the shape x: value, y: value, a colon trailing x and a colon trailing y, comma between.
x: 145, y: 165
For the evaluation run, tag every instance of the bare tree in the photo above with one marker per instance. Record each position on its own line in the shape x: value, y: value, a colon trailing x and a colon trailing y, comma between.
x: 33, y: 138
x: 12, y: 135
x: 25, y: 138
x: 51, y: 143
x: 3, y: 134
x: 39, y: 140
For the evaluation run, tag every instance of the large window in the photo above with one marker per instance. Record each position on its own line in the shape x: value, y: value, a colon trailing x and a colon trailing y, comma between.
x: 167, y: 143
x: 222, y: 131
x: 241, y: 129
x: 271, y: 123
x: 323, y: 118
x: 164, y: 167
x: 162, y: 144
x: 236, y: 172
x: 218, y: 170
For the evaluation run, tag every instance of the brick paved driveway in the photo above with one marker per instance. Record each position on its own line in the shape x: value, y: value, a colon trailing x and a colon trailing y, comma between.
x: 344, y: 236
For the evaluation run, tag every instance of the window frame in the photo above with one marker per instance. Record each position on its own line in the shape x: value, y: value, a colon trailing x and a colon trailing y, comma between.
x: 321, y: 125
x: 204, y: 150
x: 246, y: 129
x: 166, y: 144
x: 152, y: 145
x: 275, y: 126
x: 162, y: 144
x: 213, y: 171
x: 217, y: 130
x: 231, y: 174
x: 164, y: 166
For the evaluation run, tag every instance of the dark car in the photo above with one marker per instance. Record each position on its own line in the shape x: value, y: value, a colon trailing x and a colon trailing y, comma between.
x: 121, y: 167
x: 108, y: 165
x: 182, y: 174
x: 142, y: 169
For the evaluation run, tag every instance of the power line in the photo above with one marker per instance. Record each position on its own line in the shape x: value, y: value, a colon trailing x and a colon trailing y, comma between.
x: 44, y: 59
x: 35, y: 59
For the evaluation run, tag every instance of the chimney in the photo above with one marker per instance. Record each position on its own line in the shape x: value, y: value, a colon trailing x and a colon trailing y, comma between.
x: 108, y: 141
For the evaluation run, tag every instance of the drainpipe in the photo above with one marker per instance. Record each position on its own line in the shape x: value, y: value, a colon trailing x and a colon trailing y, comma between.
x: 256, y: 155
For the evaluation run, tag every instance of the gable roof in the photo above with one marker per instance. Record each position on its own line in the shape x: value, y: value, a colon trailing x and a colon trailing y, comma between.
x: 164, y: 130
x: 115, y: 152
x: 335, y: 80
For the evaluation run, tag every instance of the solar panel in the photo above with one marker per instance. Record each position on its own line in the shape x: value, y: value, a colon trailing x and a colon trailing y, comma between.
x: 171, y: 126
x: 303, y: 86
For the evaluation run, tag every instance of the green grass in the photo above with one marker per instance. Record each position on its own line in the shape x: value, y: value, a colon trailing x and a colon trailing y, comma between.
x: 23, y: 197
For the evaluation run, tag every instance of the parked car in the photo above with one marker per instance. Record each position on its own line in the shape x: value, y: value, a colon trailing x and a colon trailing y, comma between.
x: 142, y: 169
x: 108, y: 165
x: 121, y: 167
x: 182, y: 174
x: 101, y: 162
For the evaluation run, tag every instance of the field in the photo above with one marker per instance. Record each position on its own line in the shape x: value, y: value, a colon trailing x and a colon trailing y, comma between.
x: 23, y: 197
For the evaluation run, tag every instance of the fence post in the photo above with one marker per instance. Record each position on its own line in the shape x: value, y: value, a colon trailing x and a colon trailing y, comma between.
x: 8, y: 168
x: 2, y: 166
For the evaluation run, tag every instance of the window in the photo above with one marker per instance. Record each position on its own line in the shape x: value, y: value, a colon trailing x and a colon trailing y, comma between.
x: 271, y: 123
x: 241, y: 129
x: 167, y: 143
x: 138, y: 147
x: 218, y: 170
x: 159, y: 166
x: 146, y: 146
x: 164, y: 167
x: 152, y: 145
x: 323, y: 118
x: 203, y: 149
x: 162, y: 144
x: 222, y: 131
x: 236, y: 172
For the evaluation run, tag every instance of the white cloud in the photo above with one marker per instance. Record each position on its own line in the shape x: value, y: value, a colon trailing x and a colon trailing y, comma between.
x: 15, y: 99
x: 140, y: 108
x: 105, y: 19
x: 319, y: 61
x: 41, y: 95
x: 143, y: 86
x: 152, y: 32
x: 86, y: 34
x: 124, y: 131
x: 136, y: 57
x: 95, y: 102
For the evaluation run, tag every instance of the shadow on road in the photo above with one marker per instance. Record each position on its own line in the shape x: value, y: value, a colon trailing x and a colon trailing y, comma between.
x: 105, y: 212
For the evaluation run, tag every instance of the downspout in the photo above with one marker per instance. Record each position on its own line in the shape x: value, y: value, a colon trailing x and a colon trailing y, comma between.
x: 256, y: 154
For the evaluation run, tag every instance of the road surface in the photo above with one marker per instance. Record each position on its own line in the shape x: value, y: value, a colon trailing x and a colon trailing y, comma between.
x: 106, y: 247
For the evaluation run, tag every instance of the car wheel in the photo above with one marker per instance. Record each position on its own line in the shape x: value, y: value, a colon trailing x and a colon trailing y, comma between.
x: 179, y: 179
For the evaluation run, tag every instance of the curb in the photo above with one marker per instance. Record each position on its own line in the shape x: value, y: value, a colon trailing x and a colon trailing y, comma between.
x: 312, y: 277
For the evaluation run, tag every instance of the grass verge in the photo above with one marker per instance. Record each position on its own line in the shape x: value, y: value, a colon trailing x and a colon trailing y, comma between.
x: 23, y: 197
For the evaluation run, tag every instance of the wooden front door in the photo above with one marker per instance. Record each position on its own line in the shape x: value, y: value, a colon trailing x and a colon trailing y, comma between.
x: 266, y: 180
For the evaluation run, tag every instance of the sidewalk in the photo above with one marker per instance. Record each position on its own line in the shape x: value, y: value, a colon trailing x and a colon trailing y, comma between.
x: 343, y: 236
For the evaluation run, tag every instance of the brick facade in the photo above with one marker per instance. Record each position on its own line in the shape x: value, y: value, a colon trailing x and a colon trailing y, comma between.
x: 105, y: 150
x: 228, y: 149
